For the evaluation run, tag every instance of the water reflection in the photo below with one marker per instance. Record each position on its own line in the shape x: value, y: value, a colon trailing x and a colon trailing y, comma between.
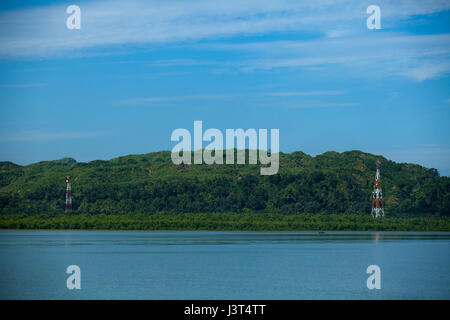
x: 378, y: 237
x: 157, y: 238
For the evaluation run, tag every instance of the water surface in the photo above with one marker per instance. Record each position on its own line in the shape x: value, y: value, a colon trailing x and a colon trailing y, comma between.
x: 223, y: 265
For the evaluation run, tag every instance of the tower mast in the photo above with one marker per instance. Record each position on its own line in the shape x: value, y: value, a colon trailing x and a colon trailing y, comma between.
x: 377, y: 201
x: 68, y: 195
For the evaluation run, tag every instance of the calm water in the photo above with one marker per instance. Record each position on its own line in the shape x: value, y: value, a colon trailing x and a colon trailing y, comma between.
x: 223, y: 265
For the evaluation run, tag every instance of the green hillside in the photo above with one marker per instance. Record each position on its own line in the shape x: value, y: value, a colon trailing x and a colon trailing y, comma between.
x: 330, y: 183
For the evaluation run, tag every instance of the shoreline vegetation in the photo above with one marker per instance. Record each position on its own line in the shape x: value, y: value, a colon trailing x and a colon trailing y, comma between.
x: 223, y: 222
x: 329, y: 183
x: 327, y: 192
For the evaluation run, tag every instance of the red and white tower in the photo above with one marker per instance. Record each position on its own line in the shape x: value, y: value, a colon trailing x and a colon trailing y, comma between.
x: 377, y: 201
x: 68, y: 195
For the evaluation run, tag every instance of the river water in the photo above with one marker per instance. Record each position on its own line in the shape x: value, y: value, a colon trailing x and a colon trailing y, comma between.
x: 223, y: 265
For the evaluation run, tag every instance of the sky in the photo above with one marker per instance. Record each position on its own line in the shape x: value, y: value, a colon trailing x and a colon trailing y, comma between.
x: 137, y: 70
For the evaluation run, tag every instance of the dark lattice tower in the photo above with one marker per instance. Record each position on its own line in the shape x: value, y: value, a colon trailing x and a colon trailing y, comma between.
x: 377, y: 201
x: 68, y: 195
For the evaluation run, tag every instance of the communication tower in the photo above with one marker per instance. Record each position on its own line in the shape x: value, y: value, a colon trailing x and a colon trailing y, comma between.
x: 377, y: 201
x: 68, y: 195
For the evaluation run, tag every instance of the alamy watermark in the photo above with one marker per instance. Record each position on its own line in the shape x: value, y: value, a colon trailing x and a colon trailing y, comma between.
x: 374, y: 280
x: 74, y: 20
x: 213, y: 152
x: 374, y: 20
x: 74, y: 280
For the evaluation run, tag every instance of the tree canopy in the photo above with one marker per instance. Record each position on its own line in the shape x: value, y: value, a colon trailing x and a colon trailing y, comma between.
x: 330, y: 183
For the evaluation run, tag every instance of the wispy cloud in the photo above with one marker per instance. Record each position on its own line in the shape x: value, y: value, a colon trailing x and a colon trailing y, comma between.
x: 23, y: 85
x: 418, y: 57
x: 429, y: 71
x: 185, y: 62
x: 302, y: 105
x: 122, y: 26
x: 150, y: 100
x: 41, y: 31
x: 336, y: 33
x: 303, y: 93
x: 153, y: 101
x: 47, y: 136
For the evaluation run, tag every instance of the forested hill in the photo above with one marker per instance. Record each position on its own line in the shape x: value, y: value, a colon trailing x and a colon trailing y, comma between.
x: 328, y: 183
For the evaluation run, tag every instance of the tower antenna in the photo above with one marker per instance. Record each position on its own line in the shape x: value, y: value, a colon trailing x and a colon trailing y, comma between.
x: 68, y: 195
x: 377, y: 201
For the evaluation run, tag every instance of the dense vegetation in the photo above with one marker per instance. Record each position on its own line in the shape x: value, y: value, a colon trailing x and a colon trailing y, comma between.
x: 225, y: 221
x: 331, y: 183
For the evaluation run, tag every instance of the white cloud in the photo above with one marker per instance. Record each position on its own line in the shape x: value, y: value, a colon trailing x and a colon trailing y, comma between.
x: 302, y: 105
x: 419, y: 57
x: 185, y: 62
x: 150, y: 100
x: 280, y: 96
x: 336, y: 33
x: 429, y: 71
x: 122, y: 26
x: 41, y: 31
x: 303, y: 93
x: 47, y: 136
x: 22, y: 85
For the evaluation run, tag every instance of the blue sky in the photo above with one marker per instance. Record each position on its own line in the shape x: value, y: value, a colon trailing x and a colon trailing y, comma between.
x: 137, y: 70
